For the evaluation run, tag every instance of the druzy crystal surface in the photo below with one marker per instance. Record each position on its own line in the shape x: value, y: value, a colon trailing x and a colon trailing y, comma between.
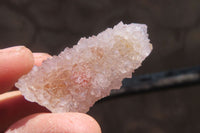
x: 79, y: 76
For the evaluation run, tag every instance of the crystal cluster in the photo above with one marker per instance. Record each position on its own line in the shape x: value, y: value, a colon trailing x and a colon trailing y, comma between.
x: 79, y: 76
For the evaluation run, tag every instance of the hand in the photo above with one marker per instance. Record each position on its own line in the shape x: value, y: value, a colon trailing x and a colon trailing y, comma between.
x: 15, y: 62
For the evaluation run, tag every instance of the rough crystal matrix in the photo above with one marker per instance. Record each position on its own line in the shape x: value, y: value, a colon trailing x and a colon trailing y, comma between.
x: 79, y: 76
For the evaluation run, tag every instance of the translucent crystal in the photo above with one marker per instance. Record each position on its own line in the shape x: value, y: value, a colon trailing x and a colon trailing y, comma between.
x: 77, y: 77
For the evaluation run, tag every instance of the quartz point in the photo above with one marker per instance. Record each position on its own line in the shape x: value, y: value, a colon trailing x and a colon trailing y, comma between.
x: 79, y: 76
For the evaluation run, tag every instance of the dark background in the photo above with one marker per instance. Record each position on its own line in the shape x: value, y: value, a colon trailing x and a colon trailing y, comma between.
x: 174, y: 29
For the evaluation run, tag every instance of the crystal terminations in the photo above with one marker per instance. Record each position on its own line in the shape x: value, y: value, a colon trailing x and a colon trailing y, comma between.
x: 79, y: 76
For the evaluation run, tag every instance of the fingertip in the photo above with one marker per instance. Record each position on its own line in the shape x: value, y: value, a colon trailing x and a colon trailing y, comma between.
x: 40, y: 57
x: 60, y: 122
x: 14, y: 62
x: 83, y: 123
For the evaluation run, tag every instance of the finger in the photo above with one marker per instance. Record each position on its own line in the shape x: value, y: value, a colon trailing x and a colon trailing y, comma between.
x: 56, y: 123
x: 14, y: 62
x: 13, y: 107
x: 40, y: 57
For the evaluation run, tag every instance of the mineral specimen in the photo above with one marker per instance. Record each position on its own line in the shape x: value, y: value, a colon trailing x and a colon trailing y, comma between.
x: 79, y: 76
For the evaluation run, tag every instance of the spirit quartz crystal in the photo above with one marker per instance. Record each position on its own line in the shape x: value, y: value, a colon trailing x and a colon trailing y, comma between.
x: 79, y: 76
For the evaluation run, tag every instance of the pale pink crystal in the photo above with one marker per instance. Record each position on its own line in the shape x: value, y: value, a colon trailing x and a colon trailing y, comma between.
x: 77, y: 77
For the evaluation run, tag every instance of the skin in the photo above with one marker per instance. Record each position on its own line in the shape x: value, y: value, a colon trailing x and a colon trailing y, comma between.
x: 31, y: 117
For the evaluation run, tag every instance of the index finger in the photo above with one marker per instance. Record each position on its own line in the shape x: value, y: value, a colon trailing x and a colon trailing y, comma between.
x: 14, y: 62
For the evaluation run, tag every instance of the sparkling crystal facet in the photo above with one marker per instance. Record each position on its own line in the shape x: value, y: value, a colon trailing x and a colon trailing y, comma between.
x: 77, y: 77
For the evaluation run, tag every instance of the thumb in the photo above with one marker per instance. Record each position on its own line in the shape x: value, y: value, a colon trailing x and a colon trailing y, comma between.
x: 56, y: 123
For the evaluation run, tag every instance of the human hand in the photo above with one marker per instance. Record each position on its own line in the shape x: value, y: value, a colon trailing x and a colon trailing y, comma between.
x: 15, y: 62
